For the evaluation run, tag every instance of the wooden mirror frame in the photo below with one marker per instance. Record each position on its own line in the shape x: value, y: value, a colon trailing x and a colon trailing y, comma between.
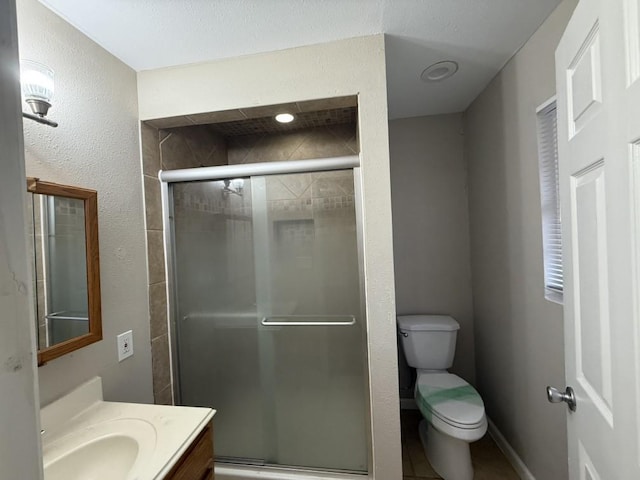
x: 90, y: 199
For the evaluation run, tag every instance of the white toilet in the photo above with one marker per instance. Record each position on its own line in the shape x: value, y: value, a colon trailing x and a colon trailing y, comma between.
x: 452, y: 409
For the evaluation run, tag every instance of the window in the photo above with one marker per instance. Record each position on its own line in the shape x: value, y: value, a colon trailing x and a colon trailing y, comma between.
x: 550, y: 200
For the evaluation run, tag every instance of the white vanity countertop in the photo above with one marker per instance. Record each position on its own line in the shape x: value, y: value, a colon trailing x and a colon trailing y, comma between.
x: 163, y: 432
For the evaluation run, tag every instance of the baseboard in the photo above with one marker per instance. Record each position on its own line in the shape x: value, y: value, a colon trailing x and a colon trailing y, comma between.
x: 516, y: 462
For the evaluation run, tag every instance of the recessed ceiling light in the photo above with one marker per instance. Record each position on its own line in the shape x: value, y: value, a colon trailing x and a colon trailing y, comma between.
x: 439, y: 71
x: 285, y: 118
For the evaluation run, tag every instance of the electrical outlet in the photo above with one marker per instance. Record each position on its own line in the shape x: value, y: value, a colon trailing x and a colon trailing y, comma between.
x: 125, y: 345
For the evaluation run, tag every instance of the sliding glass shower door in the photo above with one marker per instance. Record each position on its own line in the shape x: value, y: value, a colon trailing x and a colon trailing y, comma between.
x: 269, y: 325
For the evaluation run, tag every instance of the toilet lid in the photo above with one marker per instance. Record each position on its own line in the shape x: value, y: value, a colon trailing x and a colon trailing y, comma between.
x: 429, y: 323
x: 449, y: 398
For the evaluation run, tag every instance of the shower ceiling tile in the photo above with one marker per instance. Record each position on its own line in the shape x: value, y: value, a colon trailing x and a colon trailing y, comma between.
x: 217, y: 117
x: 170, y: 122
x: 270, y: 110
x: 328, y: 104
x: 261, y: 119
x: 267, y: 124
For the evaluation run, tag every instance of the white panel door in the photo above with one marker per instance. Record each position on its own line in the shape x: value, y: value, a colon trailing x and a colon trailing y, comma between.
x: 597, y: 69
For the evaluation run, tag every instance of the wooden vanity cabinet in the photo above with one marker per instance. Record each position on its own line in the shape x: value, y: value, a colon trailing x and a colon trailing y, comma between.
x: 197, y: 462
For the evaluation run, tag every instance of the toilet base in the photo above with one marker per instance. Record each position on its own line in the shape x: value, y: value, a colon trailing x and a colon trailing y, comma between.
x: 449, y: 457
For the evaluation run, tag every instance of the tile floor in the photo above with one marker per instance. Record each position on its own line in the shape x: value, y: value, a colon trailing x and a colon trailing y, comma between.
x: 489, y: 462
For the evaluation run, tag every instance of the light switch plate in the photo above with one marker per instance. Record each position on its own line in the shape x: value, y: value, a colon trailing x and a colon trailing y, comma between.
x: 125, y: 345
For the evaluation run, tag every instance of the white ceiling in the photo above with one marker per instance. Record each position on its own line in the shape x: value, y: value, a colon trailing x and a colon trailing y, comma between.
x: 481, y: 35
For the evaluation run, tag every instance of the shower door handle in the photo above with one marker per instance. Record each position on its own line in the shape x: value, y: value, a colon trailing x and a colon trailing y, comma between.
x: 298, y: 321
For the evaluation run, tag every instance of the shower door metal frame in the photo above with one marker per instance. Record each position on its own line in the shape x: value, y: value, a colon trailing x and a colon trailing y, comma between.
x: 169, y: 177
x: 258, y: 169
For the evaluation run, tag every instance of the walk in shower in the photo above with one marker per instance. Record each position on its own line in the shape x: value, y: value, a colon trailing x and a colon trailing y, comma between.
x: 266, y: 303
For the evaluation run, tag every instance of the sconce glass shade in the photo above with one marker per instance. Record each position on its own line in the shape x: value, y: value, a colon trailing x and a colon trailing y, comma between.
x: 37, y: 86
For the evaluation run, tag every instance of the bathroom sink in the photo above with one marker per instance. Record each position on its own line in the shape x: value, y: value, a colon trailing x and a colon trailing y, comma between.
x: 86, y: 438
x: 107, y: 457
x: 108, y: 450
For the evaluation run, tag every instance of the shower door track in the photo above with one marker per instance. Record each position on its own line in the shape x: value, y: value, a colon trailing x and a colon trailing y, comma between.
x: 168, y: 177
x: 231, y: 471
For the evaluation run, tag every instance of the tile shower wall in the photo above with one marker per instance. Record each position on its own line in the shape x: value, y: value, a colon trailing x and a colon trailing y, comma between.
x: 195, y: 146
x: 313, y: 270
x: 331, y: 141
x: 168, y: 149
x: 213, y: 227
x: 311, y: 217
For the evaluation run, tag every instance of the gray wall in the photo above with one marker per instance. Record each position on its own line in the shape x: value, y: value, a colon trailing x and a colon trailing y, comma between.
x: 96, y: 146
x: 519, y: 334
x: 19, y: 442
x: 431, y: 225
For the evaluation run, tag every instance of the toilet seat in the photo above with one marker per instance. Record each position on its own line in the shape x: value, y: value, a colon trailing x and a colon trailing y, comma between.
x: 451, y: 405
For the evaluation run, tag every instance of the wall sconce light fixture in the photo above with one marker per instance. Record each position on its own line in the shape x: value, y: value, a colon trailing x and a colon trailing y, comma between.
x: 37, y: 89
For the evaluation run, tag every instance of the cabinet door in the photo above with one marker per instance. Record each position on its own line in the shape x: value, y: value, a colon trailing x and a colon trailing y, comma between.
x: 197, y: 461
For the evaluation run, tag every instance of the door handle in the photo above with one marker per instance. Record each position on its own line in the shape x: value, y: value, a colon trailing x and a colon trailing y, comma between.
x: 556, y: 396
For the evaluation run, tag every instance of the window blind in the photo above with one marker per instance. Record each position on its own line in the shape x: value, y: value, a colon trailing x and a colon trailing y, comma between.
x: 550, y: 199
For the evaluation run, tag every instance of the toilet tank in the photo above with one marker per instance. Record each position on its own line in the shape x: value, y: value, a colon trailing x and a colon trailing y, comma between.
x: 429, y: 341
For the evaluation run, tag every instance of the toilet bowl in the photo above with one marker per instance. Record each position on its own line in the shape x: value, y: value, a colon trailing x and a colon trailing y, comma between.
x: 453, y: 411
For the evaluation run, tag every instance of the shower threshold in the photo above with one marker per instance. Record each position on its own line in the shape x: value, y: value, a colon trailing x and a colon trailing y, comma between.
x: 230, y: 471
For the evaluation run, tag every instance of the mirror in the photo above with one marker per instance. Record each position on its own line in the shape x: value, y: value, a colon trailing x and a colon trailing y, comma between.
x: 66, y: 263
